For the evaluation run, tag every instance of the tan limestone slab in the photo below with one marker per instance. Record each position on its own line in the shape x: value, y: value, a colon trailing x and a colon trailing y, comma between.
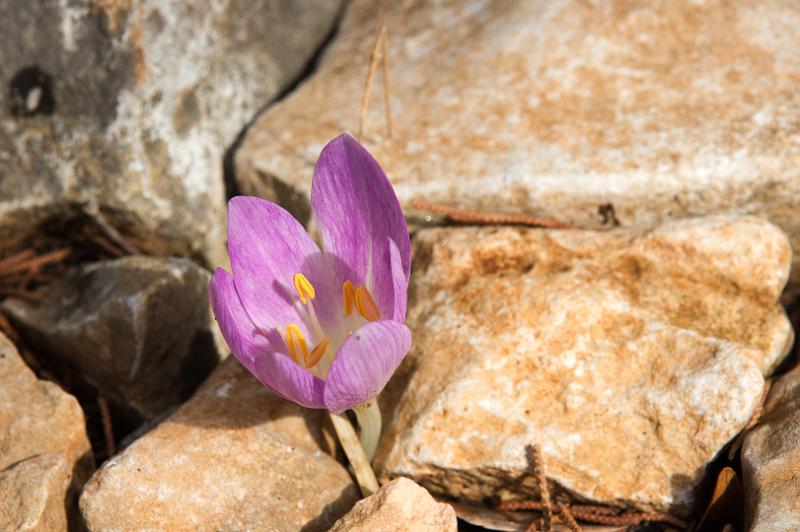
x: 234, y: 457
x: 402, y: 504
x: 643, y: 110
x: 631, y: 358
x: 32, y: 494
x: 44, y: 450
x: 771, y: 460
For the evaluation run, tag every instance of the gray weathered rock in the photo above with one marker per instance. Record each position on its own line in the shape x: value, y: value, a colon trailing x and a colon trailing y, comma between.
x: 32, y: 493
x: 399, y: 505
x: 631, y: 358
x: 771, y: 460
x: 596, y: 113
x: 44, y: 451
x: 128, y: 106
x: 138, y: 328
x: 234, y: 457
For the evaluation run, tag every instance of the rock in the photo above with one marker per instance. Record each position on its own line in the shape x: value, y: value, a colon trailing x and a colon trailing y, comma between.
x: 127, y: 107
x: 631, y: 358
x: 138, y: 328
x: 45, y: 455
x: 399, y: 505
x: 771, y: 460
x: 594, y: 113
x: 32, y: 493
x: 234, y: 457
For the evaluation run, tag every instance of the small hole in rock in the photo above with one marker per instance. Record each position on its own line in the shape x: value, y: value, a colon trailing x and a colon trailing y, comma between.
x: 31, y: 93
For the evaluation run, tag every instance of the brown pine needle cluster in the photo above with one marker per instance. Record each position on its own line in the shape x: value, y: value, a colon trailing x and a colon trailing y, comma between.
x: 482, y: 218
x: 569, y: 514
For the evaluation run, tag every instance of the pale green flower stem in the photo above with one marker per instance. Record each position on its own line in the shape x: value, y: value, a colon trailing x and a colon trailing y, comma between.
x: 359, y: 453
x: 369, y: 421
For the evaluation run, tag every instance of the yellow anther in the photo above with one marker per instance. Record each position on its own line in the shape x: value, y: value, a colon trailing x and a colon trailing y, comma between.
x: 317, y: 353
x: 349, y: 296
x: 366, y: 305
x: 304, y: 288
x: 296, y: 341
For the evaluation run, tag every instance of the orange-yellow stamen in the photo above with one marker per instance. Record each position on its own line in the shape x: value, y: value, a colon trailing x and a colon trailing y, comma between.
x: 366, y: 305
x: 317, y: 353
x: 304, y: 288
x: 349, y: 296
x: 296, y: 342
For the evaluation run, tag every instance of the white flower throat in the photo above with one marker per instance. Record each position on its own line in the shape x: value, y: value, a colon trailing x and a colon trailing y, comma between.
x: 326, y: 344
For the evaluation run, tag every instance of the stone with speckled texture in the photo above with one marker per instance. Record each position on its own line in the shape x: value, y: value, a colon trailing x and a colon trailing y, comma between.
x: 127, y: 107
x: 235, y: 457
x: 595, y: 113
x: 630, y: 357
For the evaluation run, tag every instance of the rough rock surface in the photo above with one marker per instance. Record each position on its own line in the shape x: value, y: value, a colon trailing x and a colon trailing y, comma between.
x: 32, y: 493
x: 234, y: 457
x: 127, y: 106
x: 771, y: 460
x: 139, y: 328
x: 631, y: 358
x: 44, y: 451
x: 399, y: 505
x: 596, y: 113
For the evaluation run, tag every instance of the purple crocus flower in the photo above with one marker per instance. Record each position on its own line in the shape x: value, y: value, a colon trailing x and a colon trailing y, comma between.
x: 323, y: 328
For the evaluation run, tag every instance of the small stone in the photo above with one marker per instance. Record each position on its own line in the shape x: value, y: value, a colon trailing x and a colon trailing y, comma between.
x: 399, y: 505
x: 139, y: 328
x: 44, y: 450
x: 127, y: 107
x: 595, y: 113
x: 32, y: 493
x: 771, y: 460
x: 235, y: 457
x: 629, y: 357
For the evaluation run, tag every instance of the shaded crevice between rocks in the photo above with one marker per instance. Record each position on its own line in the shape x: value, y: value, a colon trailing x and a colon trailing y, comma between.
x: 228, y: 167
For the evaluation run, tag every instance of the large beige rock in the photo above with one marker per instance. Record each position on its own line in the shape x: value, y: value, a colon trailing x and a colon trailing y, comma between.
x: 630, y: 358
x: 32, y: 494
x: 650, y: 110
x: 128, y: 107
x: 771, y: 460
x: 44, y: 451
x: 234, y: 457
x: 399, y: 505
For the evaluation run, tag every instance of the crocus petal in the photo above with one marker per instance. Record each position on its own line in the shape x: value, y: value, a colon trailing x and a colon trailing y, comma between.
x: 364, y: 364
x: 238, y: 330
x: 357, y: 212
x: 288, y: 380
x: 267, y: 247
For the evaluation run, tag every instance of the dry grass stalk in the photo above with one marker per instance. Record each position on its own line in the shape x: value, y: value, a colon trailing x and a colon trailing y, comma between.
x: 379, y: 53
x: 483, y: 218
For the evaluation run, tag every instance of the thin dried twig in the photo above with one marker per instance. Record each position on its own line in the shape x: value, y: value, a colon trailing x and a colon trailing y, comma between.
x: 482, y: 218
x: 599, y: 514
x: 537, y: 466
x: 108, y: 429
x: 566, y: 517
x: 108, y: 230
